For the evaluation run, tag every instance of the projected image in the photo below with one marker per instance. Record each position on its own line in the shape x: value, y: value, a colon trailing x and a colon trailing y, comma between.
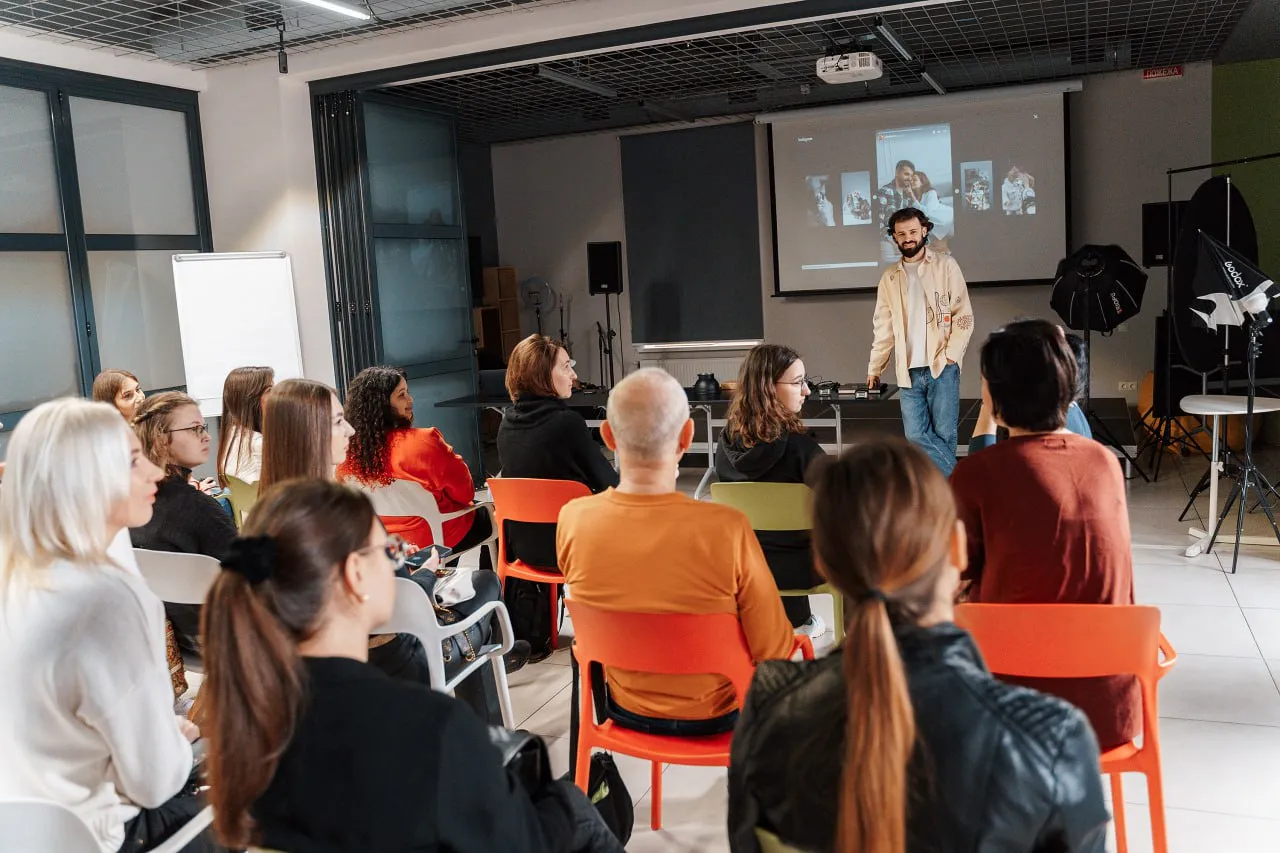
x: 975, y: 185
x: 821, y: 211
x: 855, y: 189
x: 901, y: 154
x: 1018, y: 192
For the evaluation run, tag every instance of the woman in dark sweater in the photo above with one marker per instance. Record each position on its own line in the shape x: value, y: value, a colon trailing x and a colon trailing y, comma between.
x: 174, y: 437
x: 542, y: 438
x: 1045, y: 510
x: 312, y: 750
x: 764, y: 441
x: 904, y: 741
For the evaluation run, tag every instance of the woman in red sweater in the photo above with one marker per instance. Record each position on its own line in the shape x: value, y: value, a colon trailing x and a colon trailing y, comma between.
x: 387, y: 447
x: 1045, y: 511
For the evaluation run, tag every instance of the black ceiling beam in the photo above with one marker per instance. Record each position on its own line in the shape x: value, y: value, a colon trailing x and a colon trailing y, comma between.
x: 765, y: 16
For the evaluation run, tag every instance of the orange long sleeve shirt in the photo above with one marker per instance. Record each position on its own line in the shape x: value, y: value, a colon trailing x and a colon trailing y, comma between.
x: 671, y: 554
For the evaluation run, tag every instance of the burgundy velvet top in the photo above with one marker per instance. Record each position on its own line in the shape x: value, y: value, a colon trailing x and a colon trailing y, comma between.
x: 1047, y: 522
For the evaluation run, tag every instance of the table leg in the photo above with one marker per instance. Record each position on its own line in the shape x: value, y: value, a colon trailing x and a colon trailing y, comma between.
x: 1202, y: 544
x: 835, y: 407
x: 711, y: 440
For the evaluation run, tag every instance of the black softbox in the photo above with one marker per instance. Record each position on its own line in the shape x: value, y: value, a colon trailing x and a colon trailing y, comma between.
x: 1100, y: 286
x: 1227, y: 286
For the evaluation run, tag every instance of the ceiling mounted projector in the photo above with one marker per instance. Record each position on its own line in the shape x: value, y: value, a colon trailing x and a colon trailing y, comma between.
x: 856, y: 67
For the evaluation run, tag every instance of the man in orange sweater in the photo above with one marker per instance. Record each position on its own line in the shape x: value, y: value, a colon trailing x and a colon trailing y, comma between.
x: 644, y: 547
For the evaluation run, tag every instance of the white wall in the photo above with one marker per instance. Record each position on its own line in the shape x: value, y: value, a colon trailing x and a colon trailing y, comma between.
x: 1124, y: 134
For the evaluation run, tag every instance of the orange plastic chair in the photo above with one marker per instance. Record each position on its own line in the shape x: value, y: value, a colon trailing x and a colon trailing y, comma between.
x: 536, y: 502
x: 676, y: 644
x: 1086, y: 641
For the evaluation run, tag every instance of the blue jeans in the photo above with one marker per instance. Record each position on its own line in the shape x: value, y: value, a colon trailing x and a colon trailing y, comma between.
x: 931, y: 413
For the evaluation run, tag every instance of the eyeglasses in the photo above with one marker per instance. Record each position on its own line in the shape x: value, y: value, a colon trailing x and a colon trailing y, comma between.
x: 798, y: 383
x: 201, y: 430
x: 568, y: 365
x: 394, y: 548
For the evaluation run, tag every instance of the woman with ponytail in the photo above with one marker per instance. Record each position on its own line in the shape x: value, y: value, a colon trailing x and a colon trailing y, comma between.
x: 904, y: 743
x: 313, y: 750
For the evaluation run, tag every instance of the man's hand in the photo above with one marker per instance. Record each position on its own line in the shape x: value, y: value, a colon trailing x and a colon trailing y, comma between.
x: 873, y: 382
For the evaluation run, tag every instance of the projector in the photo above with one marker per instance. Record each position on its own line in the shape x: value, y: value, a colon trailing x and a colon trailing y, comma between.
x: 850, y: 67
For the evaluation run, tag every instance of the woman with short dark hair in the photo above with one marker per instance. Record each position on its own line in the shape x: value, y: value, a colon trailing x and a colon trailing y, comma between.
x: 1045, y: 510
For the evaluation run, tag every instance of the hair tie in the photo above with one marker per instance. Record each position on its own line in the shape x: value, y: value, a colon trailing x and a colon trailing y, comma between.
x: 252, y: 557
x: 873, y: 594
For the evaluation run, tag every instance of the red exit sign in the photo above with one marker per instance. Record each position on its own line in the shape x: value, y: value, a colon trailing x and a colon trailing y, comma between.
x: 1162, y: 72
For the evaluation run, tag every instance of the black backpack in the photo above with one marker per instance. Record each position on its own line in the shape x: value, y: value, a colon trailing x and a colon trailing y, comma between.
x: 529, y: 605
x: 610, y: 796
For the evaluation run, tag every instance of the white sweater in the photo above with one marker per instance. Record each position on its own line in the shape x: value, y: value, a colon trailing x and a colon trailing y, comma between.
x: 86, y: 710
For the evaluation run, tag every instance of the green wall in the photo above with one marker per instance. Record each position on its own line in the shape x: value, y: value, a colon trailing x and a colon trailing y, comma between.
x: 1246, y: 122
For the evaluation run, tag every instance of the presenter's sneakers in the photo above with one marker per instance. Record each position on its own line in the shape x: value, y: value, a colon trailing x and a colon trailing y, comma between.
x: 813, y: 628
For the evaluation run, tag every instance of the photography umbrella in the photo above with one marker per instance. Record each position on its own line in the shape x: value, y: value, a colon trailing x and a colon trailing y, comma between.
x: 1097, y: 288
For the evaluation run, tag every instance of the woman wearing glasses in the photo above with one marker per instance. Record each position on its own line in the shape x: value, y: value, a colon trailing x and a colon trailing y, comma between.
x: 186, y: 520
x: 312, y: 749
x: 542, y: 438
x: 765, y: 441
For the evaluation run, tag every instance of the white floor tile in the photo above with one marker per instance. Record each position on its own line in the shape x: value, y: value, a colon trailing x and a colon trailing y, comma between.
x: 1204, y: 630
x: 1181, y: 584
x: 1265, y: 625
x: 552, y: 719
x: 533, y: 686
x: 1251, y: 557
x: 1220, y: 689
x: 1171, y: 553
x: 635, y: 773
x: 1256, y: 587
x: 1225, y: 768
x: 1200, y: 832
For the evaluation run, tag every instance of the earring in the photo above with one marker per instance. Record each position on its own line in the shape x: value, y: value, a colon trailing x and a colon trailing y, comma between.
x: 364, y: 598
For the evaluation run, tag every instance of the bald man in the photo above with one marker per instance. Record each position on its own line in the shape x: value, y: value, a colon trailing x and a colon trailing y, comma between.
x: 643, y: 547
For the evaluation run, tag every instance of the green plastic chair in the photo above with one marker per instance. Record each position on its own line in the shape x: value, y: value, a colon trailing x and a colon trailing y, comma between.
x: 243, y: 496
x: 775, y: 507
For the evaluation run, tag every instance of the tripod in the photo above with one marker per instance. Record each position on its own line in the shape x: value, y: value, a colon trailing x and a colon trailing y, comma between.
x: 605, y: 343
x: 1248, y: 476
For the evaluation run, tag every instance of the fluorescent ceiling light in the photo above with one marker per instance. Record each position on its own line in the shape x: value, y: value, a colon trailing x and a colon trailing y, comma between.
x: 339, y: 8
x: 576, y: 82
x: 891, y: 38
x: 767, y: 70
x: 937, y: 87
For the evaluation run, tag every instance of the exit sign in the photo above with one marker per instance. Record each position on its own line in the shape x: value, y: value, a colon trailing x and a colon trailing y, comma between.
x: 1161, y: 73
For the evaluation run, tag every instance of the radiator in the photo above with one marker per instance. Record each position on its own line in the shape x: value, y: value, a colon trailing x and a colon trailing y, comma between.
x: 687, y: 369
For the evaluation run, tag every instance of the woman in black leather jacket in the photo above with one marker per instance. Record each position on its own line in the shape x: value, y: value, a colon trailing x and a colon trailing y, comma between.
x: 940, y: 756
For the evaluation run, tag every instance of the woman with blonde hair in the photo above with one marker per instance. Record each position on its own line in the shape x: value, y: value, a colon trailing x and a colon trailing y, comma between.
x: 904, y: 742
x: 86, y: 710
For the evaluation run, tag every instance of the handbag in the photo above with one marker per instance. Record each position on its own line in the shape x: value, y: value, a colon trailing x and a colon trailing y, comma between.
x: 459, y: 649
x: 524, y: 755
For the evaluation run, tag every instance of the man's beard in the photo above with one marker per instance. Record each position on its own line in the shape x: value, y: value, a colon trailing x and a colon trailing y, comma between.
x: 913, y: 251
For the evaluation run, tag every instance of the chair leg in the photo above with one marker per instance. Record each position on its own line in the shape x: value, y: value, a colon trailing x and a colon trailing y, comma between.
x: 1155, y: 794
x: 655, y: 796
x: 555, y: 616
x: 504, y: 691
x: 1117, y: 809
x: 837, y: 608
x: 582, y: 772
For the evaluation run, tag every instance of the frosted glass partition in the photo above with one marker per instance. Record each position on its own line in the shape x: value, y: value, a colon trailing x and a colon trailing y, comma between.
x: 135, y: 168
x: 458, y: 426
x: 37, y: 340
x: 28, y: 181
x: 424, y: 300
x: 137, y: 315
x: 413, y: 177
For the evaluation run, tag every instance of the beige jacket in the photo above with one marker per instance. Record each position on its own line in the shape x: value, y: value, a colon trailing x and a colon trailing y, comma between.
x: 948, y: 298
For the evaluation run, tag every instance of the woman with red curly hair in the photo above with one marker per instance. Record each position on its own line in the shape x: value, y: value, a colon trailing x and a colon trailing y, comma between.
x: 386, y: 446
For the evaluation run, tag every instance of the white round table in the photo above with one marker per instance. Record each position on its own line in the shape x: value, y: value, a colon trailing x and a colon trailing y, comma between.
x: 1215, y: 406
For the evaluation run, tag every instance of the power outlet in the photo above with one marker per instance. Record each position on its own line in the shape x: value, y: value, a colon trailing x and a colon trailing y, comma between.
x: 1128, y: 386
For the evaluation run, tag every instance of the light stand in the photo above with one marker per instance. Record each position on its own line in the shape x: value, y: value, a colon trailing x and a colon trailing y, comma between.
x: 1248, y: 476
x: 605, y: 342
x: 1095, y: 422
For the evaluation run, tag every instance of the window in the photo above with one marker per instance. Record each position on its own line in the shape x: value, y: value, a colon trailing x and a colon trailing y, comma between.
x: 101, y: 181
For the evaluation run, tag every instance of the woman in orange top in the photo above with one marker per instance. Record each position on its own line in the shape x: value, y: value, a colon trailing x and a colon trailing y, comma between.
x: 387, y: 447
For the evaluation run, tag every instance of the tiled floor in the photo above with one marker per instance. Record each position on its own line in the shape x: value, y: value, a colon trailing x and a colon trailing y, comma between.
x: 1220, y: 706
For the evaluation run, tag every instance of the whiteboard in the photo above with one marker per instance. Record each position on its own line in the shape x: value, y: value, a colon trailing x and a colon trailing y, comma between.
x: 235, y: 310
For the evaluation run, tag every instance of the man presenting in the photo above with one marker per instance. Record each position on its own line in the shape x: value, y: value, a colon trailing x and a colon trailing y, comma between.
x: 924, y: 320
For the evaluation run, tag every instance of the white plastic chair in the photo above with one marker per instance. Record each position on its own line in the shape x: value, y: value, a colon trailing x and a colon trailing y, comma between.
x: 405, y: 498
x: 40, y: 826
x: 415, y: 615
x: 704, y: 484
x: 178, y: 579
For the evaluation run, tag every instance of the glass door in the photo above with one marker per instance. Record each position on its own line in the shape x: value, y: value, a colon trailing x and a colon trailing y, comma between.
x: 421, y: 292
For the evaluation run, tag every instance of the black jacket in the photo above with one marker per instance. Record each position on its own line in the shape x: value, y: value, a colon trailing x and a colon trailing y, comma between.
x: 187, y: 521
x: 382, y: 765
x: 997, y: 768
x: 542, y: 438
x: 783, y: 461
